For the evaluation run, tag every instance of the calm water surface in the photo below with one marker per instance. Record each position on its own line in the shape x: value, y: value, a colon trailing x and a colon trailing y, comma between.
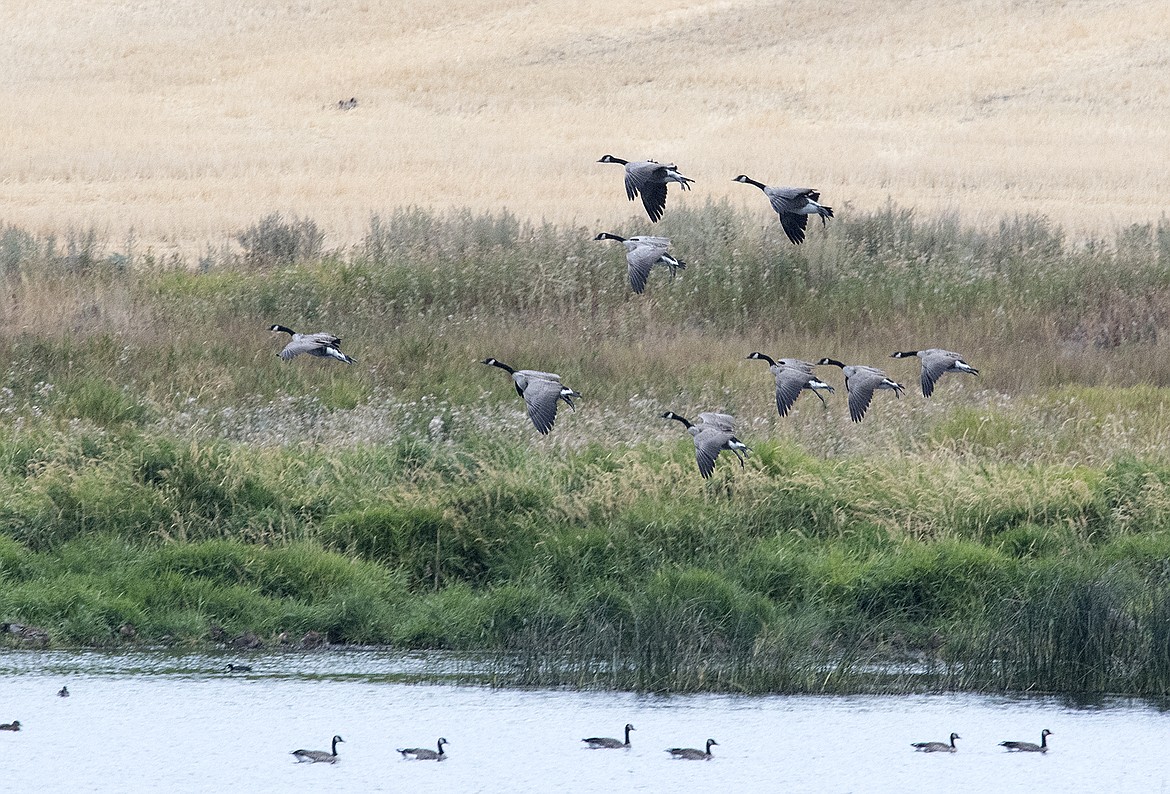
x: 155, y: 722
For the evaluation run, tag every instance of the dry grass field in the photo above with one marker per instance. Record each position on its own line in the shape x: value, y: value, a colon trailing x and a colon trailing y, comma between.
x: 186, y: 120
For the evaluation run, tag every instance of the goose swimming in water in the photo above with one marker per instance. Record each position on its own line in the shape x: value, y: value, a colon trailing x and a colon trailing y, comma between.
x: 605, y: 743
x: 318, y: 756
x: 937, y: 747
x: 424, y: 753
x: 1029, y: 747
x: 691, y: 754
x: 63, y: 692
x: 11, y: 726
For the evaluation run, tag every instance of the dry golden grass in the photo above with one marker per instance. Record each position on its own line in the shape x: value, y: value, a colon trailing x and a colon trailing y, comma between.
x: 186, y: 120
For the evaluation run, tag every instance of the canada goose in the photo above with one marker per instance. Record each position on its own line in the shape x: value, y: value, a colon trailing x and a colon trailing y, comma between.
x: 602, y: 743
x: 861, y: 382
x: 691, y: 754
x: 317, y: 756
x: 425, y: 754
x: 935, y: 364
x: 541, y: 392
x: 649, y: 178
x: 63, y: 692
x: 642, y: 254
x: 11, y: 726
x: 937, y: 747
x: 239, y: 668
x: 793, y: 205
x: 1020, y: 747
x: 322, y: 345
x: 792, y: 377
x: 714, y: 433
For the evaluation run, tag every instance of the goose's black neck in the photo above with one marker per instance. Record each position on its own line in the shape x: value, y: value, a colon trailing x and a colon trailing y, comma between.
x: 609, y: 158
x: 762, y: 357
x: 831, y: 361
x: 677, y: 418
x: 747, y: 180
x: 283, y: 328
x: 491, y: 362
x: 608, y: 236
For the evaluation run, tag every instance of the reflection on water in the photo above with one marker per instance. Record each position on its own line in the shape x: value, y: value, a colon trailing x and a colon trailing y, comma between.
x: 180, y: 722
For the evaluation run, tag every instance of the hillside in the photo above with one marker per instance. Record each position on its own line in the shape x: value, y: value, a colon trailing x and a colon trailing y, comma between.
x: 185, y: 121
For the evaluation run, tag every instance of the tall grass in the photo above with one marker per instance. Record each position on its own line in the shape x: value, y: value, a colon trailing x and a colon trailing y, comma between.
x: 161, y: 467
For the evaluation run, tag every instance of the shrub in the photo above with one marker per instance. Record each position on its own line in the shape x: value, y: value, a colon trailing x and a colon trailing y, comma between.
x: 925, y: 580
x: 273, y: 241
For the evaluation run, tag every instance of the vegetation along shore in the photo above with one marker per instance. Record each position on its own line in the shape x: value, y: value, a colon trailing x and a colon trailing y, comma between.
x: 165, y: 478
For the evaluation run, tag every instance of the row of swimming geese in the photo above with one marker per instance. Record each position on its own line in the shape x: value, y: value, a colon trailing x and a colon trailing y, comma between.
x: 440, y: 754
x: 417, y: 753
x: 690, y: 753
x: 543, y: 392
x: 593, y: 742
x: 685, y: 753
x: 682, y: 753
x: 1010, y: 746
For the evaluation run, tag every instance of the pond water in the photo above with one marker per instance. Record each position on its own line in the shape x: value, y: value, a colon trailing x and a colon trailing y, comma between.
x: 159, y: 721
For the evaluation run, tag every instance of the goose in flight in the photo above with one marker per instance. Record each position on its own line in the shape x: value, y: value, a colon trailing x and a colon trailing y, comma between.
x: 642, y: 255
x: 649, y: 179
x: 861, y: 382
x: 936, y: 363
x: 541, y: 392
x: 792, y: 377
x: 793, y: 205
x: 713, y: 434
x: 322, y: 345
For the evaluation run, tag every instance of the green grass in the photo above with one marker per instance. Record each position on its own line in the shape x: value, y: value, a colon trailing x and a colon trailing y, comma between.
x: 161, y: 467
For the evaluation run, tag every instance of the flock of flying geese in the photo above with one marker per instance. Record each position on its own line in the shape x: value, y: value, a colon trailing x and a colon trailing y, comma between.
x: 543, y: 392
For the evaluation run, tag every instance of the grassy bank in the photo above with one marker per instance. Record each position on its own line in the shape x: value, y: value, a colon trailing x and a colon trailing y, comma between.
x: 161, y: 468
